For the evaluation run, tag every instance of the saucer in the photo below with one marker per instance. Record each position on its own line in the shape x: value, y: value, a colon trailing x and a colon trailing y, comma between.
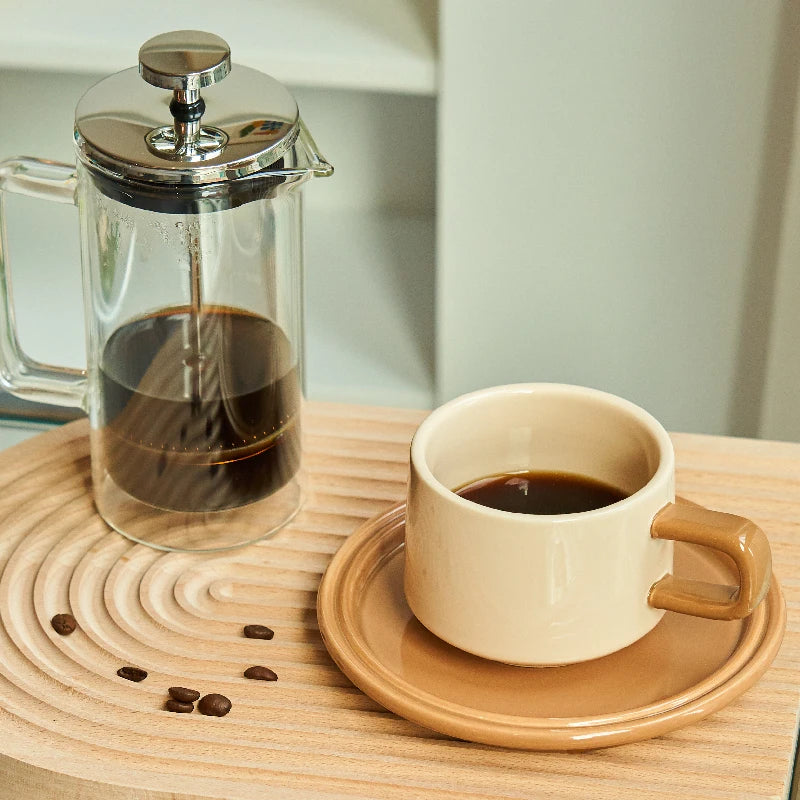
x: 683, y: 670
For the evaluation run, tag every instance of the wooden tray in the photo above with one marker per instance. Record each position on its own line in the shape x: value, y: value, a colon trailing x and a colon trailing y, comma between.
x: 70, y: 728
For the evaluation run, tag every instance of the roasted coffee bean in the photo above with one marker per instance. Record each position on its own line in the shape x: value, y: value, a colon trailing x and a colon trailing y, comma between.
x: 260, y: 674
x: 64, y: 624
x: 132, y: 674
x: 179, y: 708
x: 183, y: 695
x: 258, y: 632
x: 214, y: 705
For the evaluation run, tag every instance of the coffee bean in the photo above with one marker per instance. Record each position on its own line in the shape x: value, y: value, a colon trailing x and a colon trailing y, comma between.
x: 64, y: 624
x: 214, y: 705
x: 132, y: 674
x: 183, y: 695
x: 178, y: 708
x: 260, y: 674
x: 258, y: 632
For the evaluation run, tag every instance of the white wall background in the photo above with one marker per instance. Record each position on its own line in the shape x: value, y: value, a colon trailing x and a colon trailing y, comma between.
x: 620, y: 223
x: 614, y: 188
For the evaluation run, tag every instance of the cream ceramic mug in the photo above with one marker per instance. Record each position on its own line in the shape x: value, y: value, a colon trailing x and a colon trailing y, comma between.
x: 555, y: 589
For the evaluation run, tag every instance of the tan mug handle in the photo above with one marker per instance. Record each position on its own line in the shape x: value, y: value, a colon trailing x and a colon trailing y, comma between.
x: 738, y: 538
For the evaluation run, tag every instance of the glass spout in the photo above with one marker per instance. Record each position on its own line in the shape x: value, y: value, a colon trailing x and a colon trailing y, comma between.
x: 318, y: 166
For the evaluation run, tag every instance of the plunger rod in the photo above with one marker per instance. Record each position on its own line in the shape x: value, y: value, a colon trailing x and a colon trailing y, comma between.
x: 196, y: 290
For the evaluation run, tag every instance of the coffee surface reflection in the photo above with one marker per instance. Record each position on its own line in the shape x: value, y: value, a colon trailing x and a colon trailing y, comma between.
x: 541, y: 492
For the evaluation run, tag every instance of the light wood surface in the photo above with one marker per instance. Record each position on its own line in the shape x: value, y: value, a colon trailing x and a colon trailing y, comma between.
x: 70, y: 728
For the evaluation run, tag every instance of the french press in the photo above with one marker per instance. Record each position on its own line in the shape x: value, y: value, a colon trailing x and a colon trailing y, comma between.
x: 191, y: 245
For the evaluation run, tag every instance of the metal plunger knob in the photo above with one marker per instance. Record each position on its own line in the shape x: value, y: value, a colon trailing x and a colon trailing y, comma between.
x: 184, y: 61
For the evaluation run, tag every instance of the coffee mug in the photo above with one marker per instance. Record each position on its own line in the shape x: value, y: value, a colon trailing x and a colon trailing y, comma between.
x: 547, y: 589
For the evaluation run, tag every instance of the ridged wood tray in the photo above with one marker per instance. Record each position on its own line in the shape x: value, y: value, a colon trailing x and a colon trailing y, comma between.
x: 71, y: 729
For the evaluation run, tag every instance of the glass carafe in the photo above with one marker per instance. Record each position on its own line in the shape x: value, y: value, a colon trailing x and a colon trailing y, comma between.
x: 191, y: 242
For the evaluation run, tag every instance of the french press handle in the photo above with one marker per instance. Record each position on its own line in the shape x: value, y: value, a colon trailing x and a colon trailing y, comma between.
x: 21, y: 375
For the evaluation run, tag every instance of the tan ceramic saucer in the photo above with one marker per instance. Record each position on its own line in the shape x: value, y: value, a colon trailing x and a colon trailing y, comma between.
x: 683, y: 670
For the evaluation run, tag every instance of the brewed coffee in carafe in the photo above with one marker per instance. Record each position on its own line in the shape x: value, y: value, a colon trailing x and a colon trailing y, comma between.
x: 201, y: 408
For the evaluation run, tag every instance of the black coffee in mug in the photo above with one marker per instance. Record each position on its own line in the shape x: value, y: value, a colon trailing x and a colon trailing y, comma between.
x: 541, y: 492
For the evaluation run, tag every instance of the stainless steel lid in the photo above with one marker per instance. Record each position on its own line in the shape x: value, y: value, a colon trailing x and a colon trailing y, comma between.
x: 205, y: 131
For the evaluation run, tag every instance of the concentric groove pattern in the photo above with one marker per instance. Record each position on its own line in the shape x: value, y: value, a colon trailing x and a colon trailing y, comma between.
x: 71, y: 728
